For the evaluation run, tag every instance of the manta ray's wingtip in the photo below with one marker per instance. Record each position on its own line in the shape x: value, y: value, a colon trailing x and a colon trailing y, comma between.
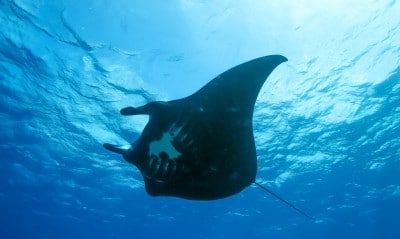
x: 278, y: 58
x: 116, y: 148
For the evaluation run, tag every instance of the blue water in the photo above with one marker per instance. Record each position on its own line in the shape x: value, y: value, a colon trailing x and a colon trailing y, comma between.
x: 326, y: 123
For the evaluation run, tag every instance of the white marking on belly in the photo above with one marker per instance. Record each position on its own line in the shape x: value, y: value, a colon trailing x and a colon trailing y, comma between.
x: 164, y: 145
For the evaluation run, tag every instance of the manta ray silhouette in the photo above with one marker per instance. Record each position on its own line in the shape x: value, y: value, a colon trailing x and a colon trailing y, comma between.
x: 202, y: 147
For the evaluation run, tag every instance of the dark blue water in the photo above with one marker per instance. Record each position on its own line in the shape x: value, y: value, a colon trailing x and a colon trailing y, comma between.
x: 326, y: 123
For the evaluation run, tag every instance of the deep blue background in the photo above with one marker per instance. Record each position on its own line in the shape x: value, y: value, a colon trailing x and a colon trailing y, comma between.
x: 326, y: 123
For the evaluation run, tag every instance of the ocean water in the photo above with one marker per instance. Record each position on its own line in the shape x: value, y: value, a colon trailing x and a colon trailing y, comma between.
x: 326, y: 123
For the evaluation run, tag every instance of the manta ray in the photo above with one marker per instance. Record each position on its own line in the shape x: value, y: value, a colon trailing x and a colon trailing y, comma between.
x: 202, y: 147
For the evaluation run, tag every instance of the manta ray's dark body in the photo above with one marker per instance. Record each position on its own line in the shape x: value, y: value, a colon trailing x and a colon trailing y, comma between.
x: 202, y: 146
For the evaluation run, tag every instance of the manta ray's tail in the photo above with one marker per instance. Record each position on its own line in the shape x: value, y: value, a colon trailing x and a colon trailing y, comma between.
x: 284, y: 201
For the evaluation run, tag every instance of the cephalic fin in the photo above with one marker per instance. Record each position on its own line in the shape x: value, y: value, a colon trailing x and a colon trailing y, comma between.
x: 129, y: 111
x: 147, y: 109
